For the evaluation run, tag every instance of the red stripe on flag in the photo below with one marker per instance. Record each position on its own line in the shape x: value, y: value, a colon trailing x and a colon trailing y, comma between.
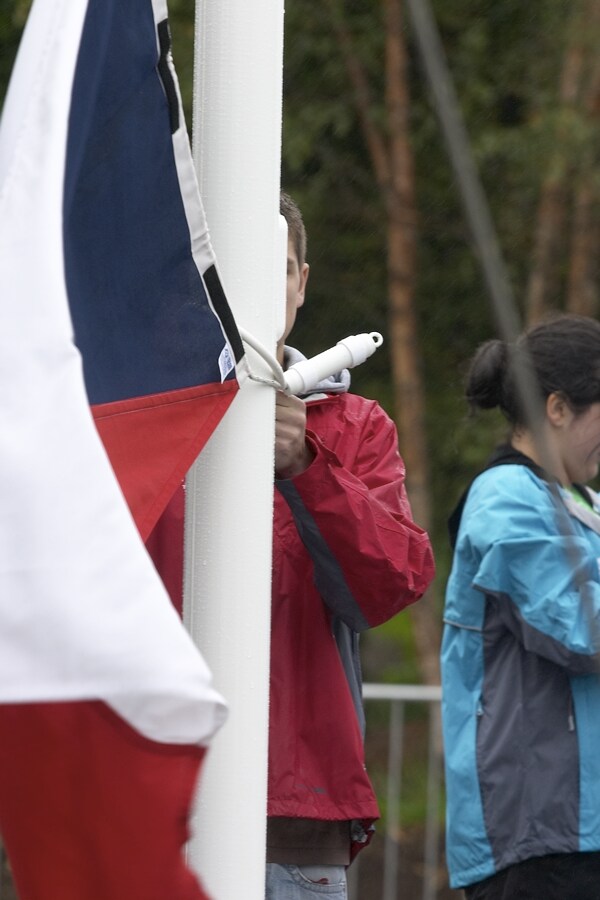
x: 152, y: 441
x: 90, y: 809
x: 165, y: 546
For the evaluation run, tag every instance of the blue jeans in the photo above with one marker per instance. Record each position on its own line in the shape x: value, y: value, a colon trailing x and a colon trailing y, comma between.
x: 303, y: 882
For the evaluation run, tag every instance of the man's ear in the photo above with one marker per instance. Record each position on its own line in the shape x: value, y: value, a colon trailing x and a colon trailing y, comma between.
x: 302, y: 287
x: 558, y: 410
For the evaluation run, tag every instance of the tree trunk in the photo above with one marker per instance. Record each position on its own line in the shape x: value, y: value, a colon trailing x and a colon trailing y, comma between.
x: 409, y: 392
x: 582, y: 286
x: 393, y: 165
x: 543, y: 284
x: 582, y: 289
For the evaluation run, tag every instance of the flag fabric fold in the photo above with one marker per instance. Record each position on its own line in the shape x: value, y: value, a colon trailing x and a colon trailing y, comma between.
x: 113, y: 325
x: 161, y: 352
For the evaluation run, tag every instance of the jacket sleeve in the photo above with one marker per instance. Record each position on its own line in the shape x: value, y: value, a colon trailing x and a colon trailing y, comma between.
x: 351, y: 511
x: 540, y: 570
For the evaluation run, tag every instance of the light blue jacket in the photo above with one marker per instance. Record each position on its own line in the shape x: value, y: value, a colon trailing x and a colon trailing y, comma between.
x: 521, y: 690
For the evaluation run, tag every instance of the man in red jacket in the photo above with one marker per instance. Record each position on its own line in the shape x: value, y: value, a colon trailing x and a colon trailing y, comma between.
x: 346, y: 556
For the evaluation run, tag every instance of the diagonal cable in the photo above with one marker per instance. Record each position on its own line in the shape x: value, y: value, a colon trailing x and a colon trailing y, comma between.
x: 487, y: 246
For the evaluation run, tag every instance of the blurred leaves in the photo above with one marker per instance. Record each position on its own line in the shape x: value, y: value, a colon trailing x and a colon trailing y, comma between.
x: 13, y: 15
x: 505, y: 59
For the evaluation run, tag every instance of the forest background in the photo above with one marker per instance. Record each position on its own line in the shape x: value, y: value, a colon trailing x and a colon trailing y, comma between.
x: 389, y: 246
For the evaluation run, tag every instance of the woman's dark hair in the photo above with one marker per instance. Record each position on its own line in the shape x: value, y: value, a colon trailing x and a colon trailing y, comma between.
x: 562, y: 355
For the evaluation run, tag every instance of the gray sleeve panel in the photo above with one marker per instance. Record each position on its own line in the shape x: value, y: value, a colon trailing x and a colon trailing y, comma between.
x: 527, y: 749
x: 537, y: 642
x: 348, y: 646
x: 328, y: 575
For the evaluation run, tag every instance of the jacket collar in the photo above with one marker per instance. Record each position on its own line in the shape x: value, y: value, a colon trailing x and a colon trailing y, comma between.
x: 504, y: 455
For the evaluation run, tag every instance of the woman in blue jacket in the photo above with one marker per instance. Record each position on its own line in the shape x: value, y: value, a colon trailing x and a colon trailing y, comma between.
x: 520, y: 663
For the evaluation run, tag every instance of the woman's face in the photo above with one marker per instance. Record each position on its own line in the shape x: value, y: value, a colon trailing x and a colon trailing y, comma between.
x: 579, y: 445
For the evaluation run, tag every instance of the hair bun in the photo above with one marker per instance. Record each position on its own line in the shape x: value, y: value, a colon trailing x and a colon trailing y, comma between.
x: 485, y: 378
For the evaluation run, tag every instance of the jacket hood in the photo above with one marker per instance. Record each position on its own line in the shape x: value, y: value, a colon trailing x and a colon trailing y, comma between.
x: 334, y: 384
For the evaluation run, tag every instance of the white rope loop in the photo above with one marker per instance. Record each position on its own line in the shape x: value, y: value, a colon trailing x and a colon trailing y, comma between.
x: 304, y: 376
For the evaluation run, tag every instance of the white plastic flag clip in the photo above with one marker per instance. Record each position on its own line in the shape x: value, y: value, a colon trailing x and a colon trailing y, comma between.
x: 304, y: 376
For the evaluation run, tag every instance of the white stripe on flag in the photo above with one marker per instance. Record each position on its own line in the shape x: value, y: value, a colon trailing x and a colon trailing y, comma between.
x: 82, y: 612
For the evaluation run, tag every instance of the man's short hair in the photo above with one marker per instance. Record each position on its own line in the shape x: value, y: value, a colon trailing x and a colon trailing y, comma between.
x: 296, y: 231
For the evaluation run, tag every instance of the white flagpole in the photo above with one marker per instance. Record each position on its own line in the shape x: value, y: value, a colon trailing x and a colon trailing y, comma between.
x: 237, y: 151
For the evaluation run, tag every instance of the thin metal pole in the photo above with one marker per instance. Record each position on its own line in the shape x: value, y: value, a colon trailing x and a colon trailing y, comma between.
x: 483, y: 232
x: 487, y: 246
x: 463, y: 164
x: 434, y: 768
x: 394, y: 791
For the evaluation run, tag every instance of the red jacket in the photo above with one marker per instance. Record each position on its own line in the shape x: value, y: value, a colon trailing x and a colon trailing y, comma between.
x: 346, y: 556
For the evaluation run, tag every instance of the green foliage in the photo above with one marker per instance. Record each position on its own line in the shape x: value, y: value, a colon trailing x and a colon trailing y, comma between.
x: 505, y: 59
x: 414, y: 772
x: 388, y: 653
x: 181, y: 19
x: 13, y: 14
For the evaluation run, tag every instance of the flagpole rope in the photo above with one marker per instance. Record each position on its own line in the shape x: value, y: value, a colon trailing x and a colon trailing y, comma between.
x: 278, y: 381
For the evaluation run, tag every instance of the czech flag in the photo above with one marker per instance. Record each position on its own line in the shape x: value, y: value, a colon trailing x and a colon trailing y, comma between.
x: 160, y: 348
x: 118, y: 357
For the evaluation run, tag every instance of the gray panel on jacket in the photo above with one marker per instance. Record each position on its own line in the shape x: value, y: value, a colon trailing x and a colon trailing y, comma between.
x: 527, y: 752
